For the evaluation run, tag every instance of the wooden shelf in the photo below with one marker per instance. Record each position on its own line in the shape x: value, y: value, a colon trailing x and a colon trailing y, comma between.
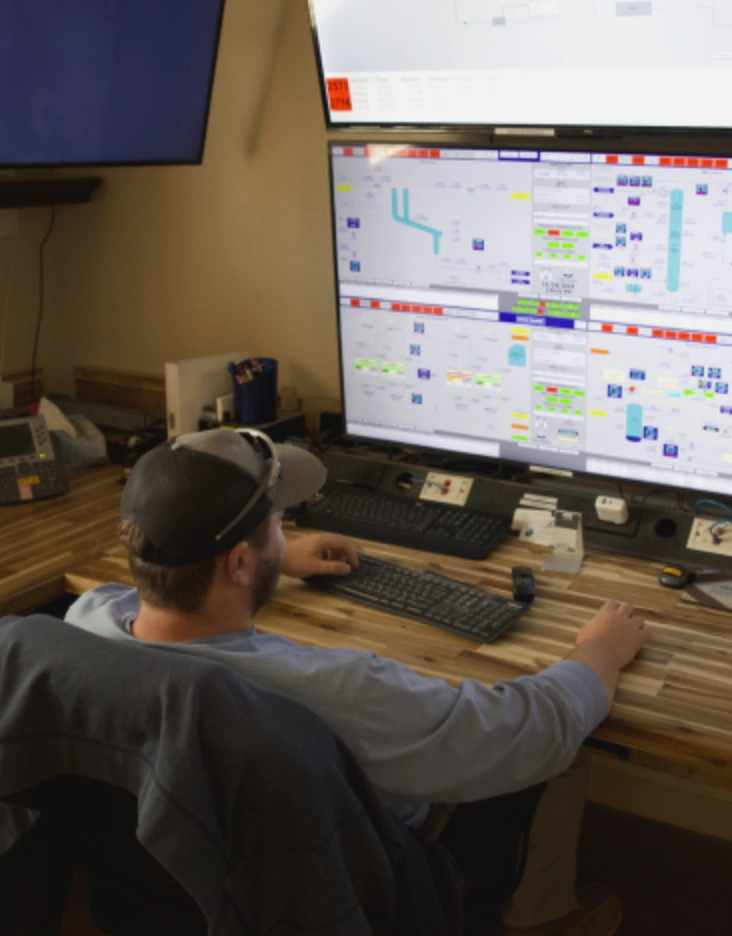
x: 30, y: 193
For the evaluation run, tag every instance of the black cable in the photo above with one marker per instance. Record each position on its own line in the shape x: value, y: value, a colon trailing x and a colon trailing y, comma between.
x: 41, y: 301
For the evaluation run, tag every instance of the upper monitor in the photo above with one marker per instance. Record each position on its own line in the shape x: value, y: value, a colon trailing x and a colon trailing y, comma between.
x: 94, y: 82
x: 542, y: 63
x: 568, y: 310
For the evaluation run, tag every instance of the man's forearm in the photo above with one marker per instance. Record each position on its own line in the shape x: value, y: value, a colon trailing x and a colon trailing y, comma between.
x: 597, y: 659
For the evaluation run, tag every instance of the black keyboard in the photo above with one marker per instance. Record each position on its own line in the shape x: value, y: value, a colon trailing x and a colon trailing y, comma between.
x: 418, y: 524
x: 426, y: 597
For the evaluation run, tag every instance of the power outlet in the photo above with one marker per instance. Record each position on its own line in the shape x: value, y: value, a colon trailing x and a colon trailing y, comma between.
x: 457, y: 487
x: 701, y: 540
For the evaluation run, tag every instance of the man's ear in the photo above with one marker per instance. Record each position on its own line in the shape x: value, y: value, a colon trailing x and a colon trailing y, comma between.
x: 240, y: 564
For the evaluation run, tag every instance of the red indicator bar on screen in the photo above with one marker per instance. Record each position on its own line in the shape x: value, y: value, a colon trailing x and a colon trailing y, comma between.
x: 657, y: 333
x: 639, y: 160
x: 607, y: 328
x: 696, y: 337
x: 721, y: 163
x: 435, y: 154
x: 684, y: 336
x: 611, y: 159
x: 710, y: 339
x: 665, y: 161
x: 707, y: 163
x: 692, y: 161
x: 631, y: 330
x: 670, y: 334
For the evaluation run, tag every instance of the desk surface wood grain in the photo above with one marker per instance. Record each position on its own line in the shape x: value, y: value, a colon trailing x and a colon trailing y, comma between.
x: 674, y: 703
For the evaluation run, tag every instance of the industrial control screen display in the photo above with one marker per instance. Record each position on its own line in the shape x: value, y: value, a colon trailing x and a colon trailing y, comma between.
x: 16, y: 440
x: 645, y: 63
x: 570, y: 310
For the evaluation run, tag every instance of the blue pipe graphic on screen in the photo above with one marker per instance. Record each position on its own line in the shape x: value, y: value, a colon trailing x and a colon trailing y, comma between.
x: 634, y: 422
x: 405, y: 219
x: 673, y: 279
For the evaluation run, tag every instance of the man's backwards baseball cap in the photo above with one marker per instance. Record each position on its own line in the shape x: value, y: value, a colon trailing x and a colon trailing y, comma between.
x: 185, y: 493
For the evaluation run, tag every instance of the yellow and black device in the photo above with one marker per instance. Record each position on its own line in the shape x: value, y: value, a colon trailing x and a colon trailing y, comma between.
x: 30, y: 467
x: 676, y: 576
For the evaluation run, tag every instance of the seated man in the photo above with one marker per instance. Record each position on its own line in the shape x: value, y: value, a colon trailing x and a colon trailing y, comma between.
x: 201, y: 518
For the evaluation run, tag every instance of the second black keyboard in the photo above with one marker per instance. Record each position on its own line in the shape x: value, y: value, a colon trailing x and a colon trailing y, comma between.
x: 426, y: 597
x: 417, y: 524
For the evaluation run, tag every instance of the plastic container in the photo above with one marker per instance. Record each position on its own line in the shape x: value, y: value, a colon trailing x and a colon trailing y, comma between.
x: 256, y: 400
x: 87, y: 450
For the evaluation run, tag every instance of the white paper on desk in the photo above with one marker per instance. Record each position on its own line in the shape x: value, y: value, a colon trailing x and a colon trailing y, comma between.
x: 536, y: 526
x: 55, y: 419
x: 711, y: 588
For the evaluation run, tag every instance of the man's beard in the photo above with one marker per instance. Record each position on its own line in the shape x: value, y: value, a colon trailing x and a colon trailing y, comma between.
x: 268, y: 572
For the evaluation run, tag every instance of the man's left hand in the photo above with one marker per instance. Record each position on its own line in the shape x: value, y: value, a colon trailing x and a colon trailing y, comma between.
x: 318, y: 554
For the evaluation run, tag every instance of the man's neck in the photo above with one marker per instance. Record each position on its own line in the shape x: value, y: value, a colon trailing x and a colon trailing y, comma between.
x: 164, y: 625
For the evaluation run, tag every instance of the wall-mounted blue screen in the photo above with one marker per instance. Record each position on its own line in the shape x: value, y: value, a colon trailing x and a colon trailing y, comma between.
x: 89, y: 82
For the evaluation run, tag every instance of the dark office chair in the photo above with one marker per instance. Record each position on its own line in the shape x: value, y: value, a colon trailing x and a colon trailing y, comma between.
x: 199, y: 803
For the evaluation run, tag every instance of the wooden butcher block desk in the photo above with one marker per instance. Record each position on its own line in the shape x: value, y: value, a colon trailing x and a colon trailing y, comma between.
x: 673, y: 709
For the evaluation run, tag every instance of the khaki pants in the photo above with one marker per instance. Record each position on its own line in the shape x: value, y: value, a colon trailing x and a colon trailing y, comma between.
x: 546, y: 890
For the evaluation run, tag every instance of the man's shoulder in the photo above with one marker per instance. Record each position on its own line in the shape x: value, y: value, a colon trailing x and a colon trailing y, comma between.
x: 104, y: 605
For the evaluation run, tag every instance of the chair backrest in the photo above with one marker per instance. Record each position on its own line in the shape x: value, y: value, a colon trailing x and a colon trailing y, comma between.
x: 219, y: 795
x: 94, y: 823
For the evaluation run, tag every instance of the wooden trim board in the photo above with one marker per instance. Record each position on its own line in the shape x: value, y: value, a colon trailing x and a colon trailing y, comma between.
x: 22, y: 384
x: 144, y: 392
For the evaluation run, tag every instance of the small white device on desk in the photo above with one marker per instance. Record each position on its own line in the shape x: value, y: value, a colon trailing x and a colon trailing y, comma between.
x: 29, y: 464
x: 567, y: 541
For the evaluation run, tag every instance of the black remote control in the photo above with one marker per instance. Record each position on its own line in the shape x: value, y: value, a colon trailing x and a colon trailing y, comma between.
x: 524, y: 588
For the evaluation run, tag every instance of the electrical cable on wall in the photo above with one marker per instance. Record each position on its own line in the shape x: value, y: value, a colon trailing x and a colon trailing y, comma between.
x: 6, y: 304
x: 34, y: 398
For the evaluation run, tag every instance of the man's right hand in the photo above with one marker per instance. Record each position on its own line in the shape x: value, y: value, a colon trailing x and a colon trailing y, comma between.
x: 610, y: 641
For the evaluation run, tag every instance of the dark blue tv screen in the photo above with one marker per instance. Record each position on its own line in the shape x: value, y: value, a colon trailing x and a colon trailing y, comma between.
x: 105, y: 82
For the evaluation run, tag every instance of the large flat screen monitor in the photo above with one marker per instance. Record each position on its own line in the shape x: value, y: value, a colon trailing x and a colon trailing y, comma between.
x: 100, y: 82
x: 562, y: 309
x: 588, y: 63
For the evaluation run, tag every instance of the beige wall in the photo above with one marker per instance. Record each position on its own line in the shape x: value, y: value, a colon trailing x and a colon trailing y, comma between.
x: 174, y: 262
x: 21, y: 234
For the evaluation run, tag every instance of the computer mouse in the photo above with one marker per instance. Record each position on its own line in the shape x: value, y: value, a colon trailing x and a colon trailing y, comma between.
x: 675, y: 576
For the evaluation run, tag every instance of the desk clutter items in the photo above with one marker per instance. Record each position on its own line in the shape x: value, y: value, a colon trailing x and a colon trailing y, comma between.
x: 255, y: 390
x: 675, y: 576
x: 567, y: 542
x: 80, y: 443
x: 30, y: 464
x: 533, y: 519
x: 524, y: 586
x: 192, y: 384
x: 712, y: 589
